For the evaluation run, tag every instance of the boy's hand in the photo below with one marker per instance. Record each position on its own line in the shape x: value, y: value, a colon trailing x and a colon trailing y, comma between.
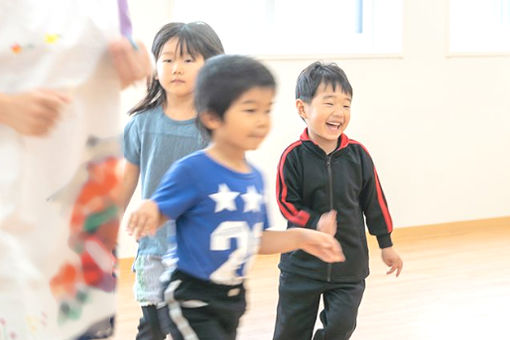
x: 327, y: 223
x: 144, y: 220
x: 392, y: 259
x: 32, y: 113
x: 322, y: 245
x: 131, y: 63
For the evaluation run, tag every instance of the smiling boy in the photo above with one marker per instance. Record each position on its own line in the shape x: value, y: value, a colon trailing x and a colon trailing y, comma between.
x: 326, y: 174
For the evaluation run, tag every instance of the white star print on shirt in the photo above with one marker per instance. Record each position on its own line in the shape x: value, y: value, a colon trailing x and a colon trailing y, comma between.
x: 252, y: 199
x: 224, y: 198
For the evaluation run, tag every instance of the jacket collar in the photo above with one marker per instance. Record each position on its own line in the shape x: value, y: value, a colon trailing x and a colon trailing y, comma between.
x: 343, y: 140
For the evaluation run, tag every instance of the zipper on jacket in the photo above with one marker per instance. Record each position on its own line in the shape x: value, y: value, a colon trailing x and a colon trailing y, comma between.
x: 330, y: 182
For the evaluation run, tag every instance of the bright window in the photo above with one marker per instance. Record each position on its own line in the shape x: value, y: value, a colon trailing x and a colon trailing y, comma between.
x: 300, y: 27
x: 479, y: 26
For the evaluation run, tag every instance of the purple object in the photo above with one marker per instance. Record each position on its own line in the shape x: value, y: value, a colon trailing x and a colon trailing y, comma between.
x: 126, y: 27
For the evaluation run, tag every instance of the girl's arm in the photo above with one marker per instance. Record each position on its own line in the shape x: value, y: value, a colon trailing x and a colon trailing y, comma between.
x: 319, y: 244
x: 129, y: 182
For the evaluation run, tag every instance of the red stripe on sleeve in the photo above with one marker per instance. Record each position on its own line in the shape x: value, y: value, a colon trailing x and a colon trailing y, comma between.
x: 380, y: 197
x: 289, y: 211
x: 382, y: 204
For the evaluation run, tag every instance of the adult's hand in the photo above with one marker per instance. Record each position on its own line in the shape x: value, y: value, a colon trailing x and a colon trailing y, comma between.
x: 32, y: 113
x: 131, y: 61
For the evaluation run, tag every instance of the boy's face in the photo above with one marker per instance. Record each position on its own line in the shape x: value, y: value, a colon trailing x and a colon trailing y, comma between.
x: 246, y: 122
x: 327, y: 115
x: 177, y: 73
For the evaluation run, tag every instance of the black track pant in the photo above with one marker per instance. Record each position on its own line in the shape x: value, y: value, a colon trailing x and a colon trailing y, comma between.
x: 149, y: 327
x: 201, y: 310
x: 298, y: 305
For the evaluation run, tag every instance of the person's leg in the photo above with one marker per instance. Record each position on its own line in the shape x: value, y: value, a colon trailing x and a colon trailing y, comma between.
x: 144, y: 331
x: 298, y: 303
x: 340, y: 312
x: 230, y: 306
x: 202, y: 310
x: 148, y: 292
x: 148, y: 326
x: 191, y: 323
x: 103, y: 329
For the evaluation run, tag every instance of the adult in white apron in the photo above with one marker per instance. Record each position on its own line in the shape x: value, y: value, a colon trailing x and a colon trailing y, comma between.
x: 58, y: 187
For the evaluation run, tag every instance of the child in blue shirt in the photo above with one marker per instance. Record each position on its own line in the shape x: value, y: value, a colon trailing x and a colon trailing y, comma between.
x: 217, y: 200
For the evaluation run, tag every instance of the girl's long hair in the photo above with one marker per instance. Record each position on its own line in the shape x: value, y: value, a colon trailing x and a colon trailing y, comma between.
x: 195, y: 38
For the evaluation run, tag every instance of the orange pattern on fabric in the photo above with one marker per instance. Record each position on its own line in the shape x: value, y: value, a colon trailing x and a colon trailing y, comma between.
x: 98, y: 191
x: 64, y: 282
x: 94, y: 226
x: 16, y: 48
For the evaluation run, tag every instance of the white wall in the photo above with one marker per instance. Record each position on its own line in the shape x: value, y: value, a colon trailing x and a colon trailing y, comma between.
x: 437, y: 127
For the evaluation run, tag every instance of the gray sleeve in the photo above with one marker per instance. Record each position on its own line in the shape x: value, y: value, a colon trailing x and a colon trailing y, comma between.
x: 132, y: 142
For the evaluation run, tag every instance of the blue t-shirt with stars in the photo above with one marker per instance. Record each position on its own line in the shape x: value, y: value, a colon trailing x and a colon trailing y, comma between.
x: 220, y: 215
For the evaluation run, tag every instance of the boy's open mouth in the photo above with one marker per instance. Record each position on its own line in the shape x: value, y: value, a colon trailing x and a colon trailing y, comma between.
x: 335, y: 126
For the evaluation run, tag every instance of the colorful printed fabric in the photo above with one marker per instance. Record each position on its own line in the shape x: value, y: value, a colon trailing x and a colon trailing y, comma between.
x: 59, y: 194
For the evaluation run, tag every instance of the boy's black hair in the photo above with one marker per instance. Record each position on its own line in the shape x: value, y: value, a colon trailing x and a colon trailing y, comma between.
x: 319, y: 73
x: 223, y: 79
x: 195, y: 38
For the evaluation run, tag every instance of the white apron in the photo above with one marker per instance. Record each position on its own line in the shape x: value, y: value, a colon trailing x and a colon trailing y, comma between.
x: 58, y: 194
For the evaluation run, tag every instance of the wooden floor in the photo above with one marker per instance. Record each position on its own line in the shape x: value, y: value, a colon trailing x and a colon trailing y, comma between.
x: 455, y: 285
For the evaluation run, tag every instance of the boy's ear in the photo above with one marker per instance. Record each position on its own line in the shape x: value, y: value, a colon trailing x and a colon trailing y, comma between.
x: 210, y: 120
x: 300, y: 106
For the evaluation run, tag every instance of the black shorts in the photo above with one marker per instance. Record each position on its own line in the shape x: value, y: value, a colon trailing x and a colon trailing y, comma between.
x: 201, y: 310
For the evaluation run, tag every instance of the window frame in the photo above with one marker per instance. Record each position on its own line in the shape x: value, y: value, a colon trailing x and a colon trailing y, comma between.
x: 361, y: 23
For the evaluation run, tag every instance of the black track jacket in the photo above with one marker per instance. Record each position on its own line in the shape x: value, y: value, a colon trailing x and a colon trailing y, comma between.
x: 310, y: 183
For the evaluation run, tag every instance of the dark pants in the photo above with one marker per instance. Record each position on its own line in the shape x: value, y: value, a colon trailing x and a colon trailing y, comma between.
x: 198, y: 309
x: 149, y: 327
x: 100, y: 330
x: 298, y: 304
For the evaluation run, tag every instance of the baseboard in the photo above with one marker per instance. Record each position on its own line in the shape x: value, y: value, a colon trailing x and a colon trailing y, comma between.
x: 405, y: 234
x: 452, y: 227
